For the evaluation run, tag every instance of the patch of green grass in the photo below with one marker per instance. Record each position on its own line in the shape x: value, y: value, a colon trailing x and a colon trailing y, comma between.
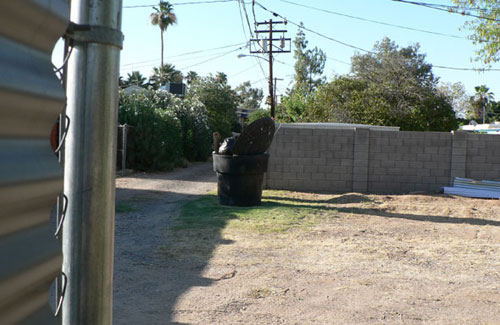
x: 278, y: 213
x: 125, y: 207
x: 196, y: 232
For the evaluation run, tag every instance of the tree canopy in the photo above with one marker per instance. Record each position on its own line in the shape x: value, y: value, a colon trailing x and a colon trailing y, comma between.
x: 309, y: 65
x: 485, y: 29
x: 482, y: 103
x: 220, y: 102
x: 250, y: 98
x: 389, y: 86
x: 165, y: 73
x: 134, y: 78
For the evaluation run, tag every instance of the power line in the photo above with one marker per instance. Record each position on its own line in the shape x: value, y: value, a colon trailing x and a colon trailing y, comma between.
x: 240, y: 72
x: 224, y: 54
x: 241, y: 19
x: 457, y: 7
x: 182, y: 3
x: 253, y: 13
x: 312, y: 31
x: 242, y: 3
x: 343, y: 62
x: 155, y: 62
x: 464, y: 69
x: 212, y: 49
x: 355, y: 47
x: 284, y: 63
x: 184, y: 54
x: 374, y: 21
x: 449, y: 10
x: 258, y: 81
x: 210, y: 57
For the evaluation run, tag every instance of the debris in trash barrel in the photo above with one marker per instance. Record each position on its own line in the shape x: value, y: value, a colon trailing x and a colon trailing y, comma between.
x: 240, y: 164
x: 217, y: 141
x: 226, y: 148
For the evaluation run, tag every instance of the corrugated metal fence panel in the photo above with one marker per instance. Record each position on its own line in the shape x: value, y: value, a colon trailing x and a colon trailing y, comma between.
x: 31, y: 97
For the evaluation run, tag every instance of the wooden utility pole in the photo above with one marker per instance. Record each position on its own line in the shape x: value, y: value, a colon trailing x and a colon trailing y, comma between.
x: 266, y: 46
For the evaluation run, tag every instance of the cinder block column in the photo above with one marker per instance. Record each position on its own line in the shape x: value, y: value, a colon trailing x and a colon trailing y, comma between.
x: 458, y: 155
x: 360, y: 164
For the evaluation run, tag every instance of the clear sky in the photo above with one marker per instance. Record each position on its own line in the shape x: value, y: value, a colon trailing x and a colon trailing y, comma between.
x: 205, y: 26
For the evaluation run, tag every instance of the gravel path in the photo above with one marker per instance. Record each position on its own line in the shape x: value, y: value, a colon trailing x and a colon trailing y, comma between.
x: 145, y: 287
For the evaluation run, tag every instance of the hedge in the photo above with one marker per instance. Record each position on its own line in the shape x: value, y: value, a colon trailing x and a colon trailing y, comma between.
x: 166, y: 131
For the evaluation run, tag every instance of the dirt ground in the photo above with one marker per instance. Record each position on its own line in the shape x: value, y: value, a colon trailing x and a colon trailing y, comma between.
x: 383, y: 259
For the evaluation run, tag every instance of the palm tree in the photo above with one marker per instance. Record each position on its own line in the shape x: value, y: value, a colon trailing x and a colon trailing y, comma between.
x: 191, y: 77
x: 163, y: 74
x: 163, y: 17
x: 483, y: 97
x: 135, y: 78
x: 221, y: 77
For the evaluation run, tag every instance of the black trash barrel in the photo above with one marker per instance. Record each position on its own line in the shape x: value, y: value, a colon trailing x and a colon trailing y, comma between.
x: 239, y: 178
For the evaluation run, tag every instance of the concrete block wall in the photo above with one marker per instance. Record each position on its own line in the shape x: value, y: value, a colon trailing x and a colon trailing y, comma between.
x: 483, y: 157
x: 307, y: 159
x: 402, y: 162
x: 360, y: 159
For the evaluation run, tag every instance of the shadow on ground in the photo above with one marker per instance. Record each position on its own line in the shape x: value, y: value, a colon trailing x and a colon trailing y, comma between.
x: 147, y: 280
x: 341, y: 199
x: 356, y: 198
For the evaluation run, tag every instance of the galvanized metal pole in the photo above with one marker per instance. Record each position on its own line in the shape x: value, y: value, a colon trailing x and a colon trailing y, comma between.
x: 90, y: 161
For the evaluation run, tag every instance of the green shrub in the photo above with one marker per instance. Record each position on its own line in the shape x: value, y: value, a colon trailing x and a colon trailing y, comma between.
x: 156, y: 142
x: 257, y: 114
x: 192, y: 115
x: 196, y: 135
x: 165, y: 130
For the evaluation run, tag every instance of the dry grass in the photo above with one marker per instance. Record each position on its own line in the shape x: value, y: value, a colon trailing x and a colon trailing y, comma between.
x: 351, y: 258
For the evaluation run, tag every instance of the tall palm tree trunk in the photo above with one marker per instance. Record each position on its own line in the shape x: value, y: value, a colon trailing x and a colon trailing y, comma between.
x: 161, y: 49
x: 161, y: 66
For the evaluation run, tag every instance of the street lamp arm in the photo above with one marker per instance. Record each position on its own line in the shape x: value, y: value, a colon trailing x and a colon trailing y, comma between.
x: 241, y: 55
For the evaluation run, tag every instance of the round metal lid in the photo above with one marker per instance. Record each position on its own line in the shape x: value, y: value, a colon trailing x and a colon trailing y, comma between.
x: 255, y: 138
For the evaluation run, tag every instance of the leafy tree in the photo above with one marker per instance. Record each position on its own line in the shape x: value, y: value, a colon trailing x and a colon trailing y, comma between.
x: 167, y: 73
x: 457, y: 96
x: 389, y: 86
x: 342, y: 100
x: 481, y: 102
x: 309, y: 65
x: 292, y: 108
x: 220, y: 101
x: 250, y: 98
x: 257, y: 114
x: 495, y: 112
x: 121, y: 82
x: 191, y: 76
x: 135, y: 78
x: 221, y: 78
x: 485, y: 30
x: 163, y: 17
